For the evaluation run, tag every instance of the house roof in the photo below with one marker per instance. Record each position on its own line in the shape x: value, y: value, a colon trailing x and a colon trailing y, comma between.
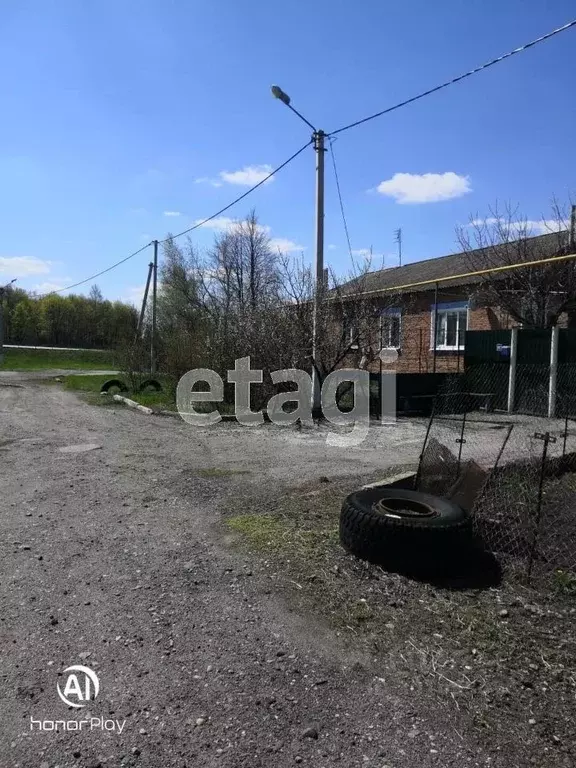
x: 527, y: 249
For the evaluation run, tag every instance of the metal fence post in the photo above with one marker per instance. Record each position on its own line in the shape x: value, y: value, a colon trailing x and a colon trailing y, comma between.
x: 461, y: 442
x: 546, y: 438
x: 421, y: 457
x: 512, y: 369
x: 552, y: 387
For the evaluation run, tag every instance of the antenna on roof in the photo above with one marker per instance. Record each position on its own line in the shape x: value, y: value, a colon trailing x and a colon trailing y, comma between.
x: 398, y: 239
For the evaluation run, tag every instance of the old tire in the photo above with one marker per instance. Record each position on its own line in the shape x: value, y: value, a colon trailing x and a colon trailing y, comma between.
x: 404, y: 530
x: 113, y: 384
x: 150, y: 384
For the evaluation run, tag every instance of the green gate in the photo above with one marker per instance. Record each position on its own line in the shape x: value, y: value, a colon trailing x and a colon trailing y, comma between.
x: 487, y: 365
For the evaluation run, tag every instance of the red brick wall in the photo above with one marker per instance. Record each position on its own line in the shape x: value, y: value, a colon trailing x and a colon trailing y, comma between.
x: 415, y: 355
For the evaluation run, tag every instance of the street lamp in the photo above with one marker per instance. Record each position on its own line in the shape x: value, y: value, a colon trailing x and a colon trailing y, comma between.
x: 318, y: 137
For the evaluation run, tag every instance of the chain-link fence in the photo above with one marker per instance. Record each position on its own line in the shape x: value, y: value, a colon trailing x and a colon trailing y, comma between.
x: 515, y: 473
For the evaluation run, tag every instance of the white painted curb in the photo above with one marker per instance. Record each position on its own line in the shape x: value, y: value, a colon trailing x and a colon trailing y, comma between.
x: 133, y: 404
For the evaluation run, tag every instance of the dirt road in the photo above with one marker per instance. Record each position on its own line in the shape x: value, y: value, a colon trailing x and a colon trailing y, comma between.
x: 114, y: 559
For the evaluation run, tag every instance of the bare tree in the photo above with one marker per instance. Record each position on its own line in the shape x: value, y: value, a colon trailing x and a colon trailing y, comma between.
x: 242, y: 299
x: 348, y: 316
x: 533, y: 295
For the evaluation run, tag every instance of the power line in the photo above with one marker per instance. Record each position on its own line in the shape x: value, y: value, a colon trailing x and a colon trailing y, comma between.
x: 340, y: 196
x: 457, y: 79
x: 103, y: 272
x: 237, y: 200
x: 190, y: 229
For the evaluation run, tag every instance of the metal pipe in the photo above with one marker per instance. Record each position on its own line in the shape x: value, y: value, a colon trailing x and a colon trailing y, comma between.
x: 435, y: 337
x: 421, y: 457
x: 462, y: 275
x: 552, y: 388
x: 460, y: 444
x: 512, y: 369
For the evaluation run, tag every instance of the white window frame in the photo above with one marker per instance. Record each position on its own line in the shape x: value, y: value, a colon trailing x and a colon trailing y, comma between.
x: 397, y: 313
x: 350, y: 329
x: 443, y: 309
x: 352, y: 333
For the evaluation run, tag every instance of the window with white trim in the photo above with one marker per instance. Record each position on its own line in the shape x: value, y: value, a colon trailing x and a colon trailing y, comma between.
x: 350, y: 332
x: 390, y: 328
x: 450, y: 325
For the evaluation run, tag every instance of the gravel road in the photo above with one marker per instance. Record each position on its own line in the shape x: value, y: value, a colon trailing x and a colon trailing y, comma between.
x: 114, y: 558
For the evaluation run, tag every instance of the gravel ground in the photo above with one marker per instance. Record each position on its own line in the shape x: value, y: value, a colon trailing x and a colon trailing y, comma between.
x: 115, y: 558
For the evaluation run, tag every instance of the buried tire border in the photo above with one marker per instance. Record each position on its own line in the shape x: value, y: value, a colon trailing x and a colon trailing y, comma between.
x: 108, y: 385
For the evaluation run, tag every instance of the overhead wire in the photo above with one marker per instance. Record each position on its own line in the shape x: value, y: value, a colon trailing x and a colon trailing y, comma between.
x: 404, y: 103
x: 98, y: 274
x: 238, y: 199
x: 457, y: 79
x: 340, y: 196
x: 190, y: 229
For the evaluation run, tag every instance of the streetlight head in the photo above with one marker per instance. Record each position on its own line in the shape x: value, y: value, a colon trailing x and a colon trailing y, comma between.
x: 278, y: 93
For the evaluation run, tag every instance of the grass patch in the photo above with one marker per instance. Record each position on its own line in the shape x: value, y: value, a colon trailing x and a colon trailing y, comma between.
x: 304, y: 526
x: 85, y: 383
x: 460, y: 647
x: 91, y: 385
x: 162, y: 401
x: 264, y: 533
x: 46, y: 359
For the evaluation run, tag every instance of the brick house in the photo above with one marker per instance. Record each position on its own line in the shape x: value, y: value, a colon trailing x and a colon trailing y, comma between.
x: 425, y: 322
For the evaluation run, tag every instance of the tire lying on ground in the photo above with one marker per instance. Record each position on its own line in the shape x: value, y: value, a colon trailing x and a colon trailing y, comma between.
x: 404, y: 531
x: 113, y: 384
x: 150, y: 384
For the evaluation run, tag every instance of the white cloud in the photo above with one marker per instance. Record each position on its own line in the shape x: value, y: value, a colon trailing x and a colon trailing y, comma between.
x: 547, y: 225
x: 54, y: 285
x: 285, y: 246
x: 225, y: 224
x: 331, y: 247
x: 134, y: 295
x: 23, y: 266
x: 247, y: 176
x: 361, y: 252
x: 489, y: 221
x: 172, y: 213
x: 208, y: 180
x: 424, y: 187
x: 220, y: 223
x: 528, y: 226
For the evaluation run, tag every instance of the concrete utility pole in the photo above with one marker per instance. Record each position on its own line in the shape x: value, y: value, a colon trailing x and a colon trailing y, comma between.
x: 318, y: 137
x: 572, y: 235
x: 319, y: 292
x: 144, y: 301
x: 3, y: 290
x: 154, y: 298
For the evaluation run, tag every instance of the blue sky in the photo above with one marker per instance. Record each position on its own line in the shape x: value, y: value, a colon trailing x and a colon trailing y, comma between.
x: 116, y: 113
